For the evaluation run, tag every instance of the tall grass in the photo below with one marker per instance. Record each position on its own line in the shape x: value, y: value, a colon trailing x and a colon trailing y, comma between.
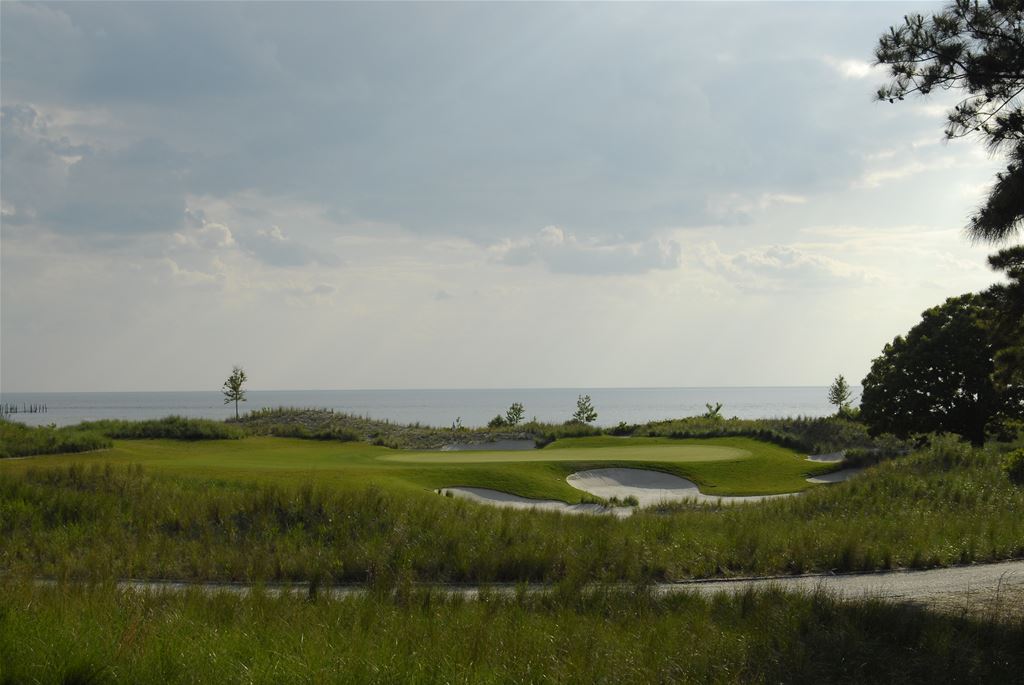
x: 18, y: 440
x: 947, y: 505
x: 168, y: 428
x: 101, y: 635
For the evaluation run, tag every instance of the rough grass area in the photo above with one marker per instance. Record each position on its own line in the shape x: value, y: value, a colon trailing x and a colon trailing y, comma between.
x: 100, y: 635
x: 948, y: 505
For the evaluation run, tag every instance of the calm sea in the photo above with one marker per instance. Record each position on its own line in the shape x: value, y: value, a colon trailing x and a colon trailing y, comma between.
x: 432, y: 407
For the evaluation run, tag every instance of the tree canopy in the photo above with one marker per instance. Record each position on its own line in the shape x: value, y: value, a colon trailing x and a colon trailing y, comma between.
x: 939, y: 377
x: 977, y: 49
x: 1007, y: 321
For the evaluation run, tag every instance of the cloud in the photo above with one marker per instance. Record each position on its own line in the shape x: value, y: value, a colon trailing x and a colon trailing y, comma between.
x: 271, y: 246
x: 562, y: 252
x: 854, y: 68
x: 782, y: 267
x: 441, y: 118
x: 877, y: 177
x: 740, y: 206
x: 84, y: 189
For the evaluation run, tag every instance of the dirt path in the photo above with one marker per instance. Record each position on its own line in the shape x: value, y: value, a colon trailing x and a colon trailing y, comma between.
x: 981, y: 589
x: 991, y: 588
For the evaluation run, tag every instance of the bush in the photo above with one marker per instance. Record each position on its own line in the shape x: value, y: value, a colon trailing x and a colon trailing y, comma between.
x: 19, y: 440
x: 1013, y: 466
x: 497, y: 422
x: 303, y: 433
x: 167, y: 428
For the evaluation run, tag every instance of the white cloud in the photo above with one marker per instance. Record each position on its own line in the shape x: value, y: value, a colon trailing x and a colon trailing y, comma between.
x: 877, y: 177
x: 740, y: 205
x: 783, y: 267
x: 853, y: 68
x: 563, y: 252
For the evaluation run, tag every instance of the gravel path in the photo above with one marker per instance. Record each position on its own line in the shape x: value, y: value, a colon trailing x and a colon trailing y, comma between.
x: 992, y: 589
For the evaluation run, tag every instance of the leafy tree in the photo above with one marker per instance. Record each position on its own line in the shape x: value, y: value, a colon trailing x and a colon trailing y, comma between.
x: 232, y: 389
x: 585, y: 412
x: 515, y: 413
x: 977, y: 49
x: 839, y: 394
x: 938, y: 378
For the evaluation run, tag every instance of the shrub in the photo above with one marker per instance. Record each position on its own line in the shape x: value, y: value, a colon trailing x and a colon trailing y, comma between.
x: 167, y: 428
x: 1013, y: 466
x: 19, y: 440
x: 304, y: 433
x: 497, y: 422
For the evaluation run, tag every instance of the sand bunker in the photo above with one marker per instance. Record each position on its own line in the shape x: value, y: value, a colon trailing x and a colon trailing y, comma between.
x: 836, y: 476
x: 493, y: 446
x: 650, y: 487
x: 504, y: 499
x: 830, y: 458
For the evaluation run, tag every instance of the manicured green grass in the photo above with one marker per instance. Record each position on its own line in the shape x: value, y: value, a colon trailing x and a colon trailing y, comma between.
x: 100, y: 635
x: 722, y: 466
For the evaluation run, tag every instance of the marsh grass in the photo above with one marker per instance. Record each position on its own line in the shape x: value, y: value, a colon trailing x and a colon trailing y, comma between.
x: 950, y: 504
x: 102, y: 635
x: 18, y: 440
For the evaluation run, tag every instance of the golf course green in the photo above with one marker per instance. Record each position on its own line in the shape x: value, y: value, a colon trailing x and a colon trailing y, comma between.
x: 720, y: 466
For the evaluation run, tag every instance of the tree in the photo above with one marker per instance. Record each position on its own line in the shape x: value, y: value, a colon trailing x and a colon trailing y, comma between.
x: 840, y: 394
x: 714, y: 410
x: 515, y: 413
x: 938, y: 378
x: 233, y: 388
x: 1007, y: 320
x: 977, y: 49
x: 584, y: 410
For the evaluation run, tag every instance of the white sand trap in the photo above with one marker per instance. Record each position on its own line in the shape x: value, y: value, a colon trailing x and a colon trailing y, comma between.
x: 493, y: 446
x: 650, y: 487
x: 830, y: 458
x: 504, y: 499
x: 836, y: 476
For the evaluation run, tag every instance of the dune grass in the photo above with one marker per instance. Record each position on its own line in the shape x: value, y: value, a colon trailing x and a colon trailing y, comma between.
x: 101, y: 635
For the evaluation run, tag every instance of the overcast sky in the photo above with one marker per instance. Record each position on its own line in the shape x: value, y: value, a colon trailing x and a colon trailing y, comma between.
x: 466, y: 195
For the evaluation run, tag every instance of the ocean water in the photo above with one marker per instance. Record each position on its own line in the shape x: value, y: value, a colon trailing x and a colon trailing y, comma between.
x: 432, y: 407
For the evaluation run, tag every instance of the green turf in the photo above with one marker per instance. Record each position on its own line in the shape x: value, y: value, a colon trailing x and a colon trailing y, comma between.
x: 722, y: 466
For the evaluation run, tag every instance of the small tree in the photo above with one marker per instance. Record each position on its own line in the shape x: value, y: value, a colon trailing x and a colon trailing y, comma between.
x: 585, y: 412
x: 714, y: 410
x: 839, y: 394
x: 233, y: 388
x: 515, y: 413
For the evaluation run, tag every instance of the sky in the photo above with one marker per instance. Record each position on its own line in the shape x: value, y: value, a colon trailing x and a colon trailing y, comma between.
x: 480, y: 195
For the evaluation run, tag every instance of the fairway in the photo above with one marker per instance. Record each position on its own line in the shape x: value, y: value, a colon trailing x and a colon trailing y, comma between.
x: 649, y: 453
x: 720, y: 466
